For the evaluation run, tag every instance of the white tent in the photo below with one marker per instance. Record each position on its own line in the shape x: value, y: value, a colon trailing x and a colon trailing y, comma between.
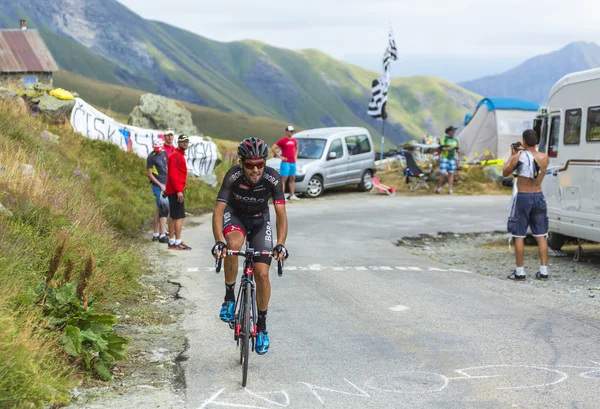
x: 496, y: 123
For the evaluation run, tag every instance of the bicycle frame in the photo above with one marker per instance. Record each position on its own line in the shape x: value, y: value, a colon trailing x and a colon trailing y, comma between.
x: 245, y: 304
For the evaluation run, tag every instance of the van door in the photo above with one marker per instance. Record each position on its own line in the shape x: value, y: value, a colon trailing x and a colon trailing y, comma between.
x: 361, y: 156
x: 551, y: 184
x: 336, y: 164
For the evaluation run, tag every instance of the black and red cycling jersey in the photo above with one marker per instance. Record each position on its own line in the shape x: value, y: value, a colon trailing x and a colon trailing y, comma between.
x: 246, y: 199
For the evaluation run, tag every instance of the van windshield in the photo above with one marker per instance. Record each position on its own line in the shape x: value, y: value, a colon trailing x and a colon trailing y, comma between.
x: 309, y: 148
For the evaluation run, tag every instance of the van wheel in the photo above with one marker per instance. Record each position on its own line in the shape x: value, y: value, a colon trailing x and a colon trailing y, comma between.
x: 366, y: 182
x: 315, y: 187
x: 556, y: 240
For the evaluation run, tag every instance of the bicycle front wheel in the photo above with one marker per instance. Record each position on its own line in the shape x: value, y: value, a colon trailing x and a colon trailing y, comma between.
x: 247, y: 333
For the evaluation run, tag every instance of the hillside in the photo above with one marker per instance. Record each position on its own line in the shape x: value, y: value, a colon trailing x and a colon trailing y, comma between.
x: 118, y: 101
x: 108, y: 42
x: 533, y: 79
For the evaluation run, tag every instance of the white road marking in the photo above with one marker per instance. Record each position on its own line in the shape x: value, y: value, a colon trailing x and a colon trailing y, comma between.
x: 319, y: 267
x: 399, y: 308
x: 193, y: 269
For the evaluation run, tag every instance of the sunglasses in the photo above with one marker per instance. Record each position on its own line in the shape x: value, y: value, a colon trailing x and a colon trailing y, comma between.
x: 250, y: 166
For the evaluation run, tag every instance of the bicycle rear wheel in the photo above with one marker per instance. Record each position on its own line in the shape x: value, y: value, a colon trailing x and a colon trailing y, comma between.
x: 246, y: 333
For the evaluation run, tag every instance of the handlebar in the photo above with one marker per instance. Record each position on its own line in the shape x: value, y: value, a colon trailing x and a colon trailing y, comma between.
x: 243, y: 253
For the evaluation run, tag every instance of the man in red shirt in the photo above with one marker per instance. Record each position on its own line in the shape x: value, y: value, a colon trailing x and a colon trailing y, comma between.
x: 287, y: 150
x: 169, y: 148
x: 176, y: 179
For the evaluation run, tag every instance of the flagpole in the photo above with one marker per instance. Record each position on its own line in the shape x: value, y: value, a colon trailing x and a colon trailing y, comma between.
x: 382, y: 141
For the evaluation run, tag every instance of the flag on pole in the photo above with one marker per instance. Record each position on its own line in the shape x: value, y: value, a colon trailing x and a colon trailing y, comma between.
x: 379, y: 92
x: 380, y: 86
x: 391, y: 54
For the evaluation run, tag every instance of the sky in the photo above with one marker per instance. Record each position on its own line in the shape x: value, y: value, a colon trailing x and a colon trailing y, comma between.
x: 457, y: 40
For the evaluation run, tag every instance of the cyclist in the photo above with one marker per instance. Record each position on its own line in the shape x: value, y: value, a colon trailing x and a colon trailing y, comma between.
x: 242, y: 211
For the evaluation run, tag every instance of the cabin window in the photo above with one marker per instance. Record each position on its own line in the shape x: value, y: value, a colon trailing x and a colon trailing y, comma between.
x: 553, y: 137
x: 572, y: 126
x: 29, y: 80
x: 593, y: 125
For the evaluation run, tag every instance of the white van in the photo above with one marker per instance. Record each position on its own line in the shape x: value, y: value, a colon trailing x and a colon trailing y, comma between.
x: 330, y: 157
x: 569, y: 130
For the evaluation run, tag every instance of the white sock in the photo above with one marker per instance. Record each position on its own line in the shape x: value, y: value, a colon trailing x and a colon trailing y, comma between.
x: 544, y: 270
x: 178, y: 242
x: 162, y: 235
x: 171, y: 241
x: 520, y: 271
x: 154, y: 234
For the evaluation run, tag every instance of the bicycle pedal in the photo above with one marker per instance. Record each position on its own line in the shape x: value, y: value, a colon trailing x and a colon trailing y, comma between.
x: 231, y: 324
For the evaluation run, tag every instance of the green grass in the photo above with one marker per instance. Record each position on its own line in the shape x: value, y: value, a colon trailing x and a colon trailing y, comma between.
x: 95, y: 215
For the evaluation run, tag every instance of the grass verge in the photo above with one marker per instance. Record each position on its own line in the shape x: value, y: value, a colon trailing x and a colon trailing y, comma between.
x: 87, y: 196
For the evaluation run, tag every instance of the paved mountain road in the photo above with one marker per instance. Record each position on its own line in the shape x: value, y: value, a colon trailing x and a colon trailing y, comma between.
x: 356, y: 322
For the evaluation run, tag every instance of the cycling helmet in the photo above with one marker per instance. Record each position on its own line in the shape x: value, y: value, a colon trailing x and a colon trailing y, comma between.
x: 253, y: 148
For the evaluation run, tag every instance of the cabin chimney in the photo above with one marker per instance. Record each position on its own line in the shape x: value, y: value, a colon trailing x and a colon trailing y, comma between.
x: 23, y: 24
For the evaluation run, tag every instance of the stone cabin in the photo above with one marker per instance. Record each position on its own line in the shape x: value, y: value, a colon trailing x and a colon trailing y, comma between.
x: 24, y: 58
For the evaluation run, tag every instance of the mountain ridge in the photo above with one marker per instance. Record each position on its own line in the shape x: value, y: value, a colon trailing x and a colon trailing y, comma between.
x: 533, y: 79
x: 106, y: 41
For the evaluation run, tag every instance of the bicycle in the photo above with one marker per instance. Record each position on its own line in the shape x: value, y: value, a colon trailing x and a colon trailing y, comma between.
x: 244, y: 323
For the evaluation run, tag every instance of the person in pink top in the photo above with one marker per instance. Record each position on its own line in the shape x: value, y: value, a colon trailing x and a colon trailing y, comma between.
x: 286, y: 149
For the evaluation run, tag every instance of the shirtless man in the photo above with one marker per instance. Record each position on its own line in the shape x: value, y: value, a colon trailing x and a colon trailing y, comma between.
x: 529, y: 205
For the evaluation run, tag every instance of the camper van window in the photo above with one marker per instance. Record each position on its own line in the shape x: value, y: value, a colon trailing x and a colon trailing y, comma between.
x: 572, y: 126
x: 358, y: 144
x: 593, y: 125
x: 554, y: 132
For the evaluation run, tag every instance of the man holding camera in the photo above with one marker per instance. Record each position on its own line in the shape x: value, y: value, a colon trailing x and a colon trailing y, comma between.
x: 529, y: 205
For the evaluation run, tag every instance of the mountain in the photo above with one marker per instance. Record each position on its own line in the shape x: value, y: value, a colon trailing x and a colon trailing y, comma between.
x: 103, y: 40
x: 118, y: 101
x: 533, y: 79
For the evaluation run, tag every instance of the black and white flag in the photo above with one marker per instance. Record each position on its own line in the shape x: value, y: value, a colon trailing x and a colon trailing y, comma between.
x: 391, y: 54
x: 379, y: 93
x: 380, y: 85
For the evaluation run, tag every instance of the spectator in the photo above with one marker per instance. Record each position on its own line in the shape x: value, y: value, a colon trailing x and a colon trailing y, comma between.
x: 169, y: 148
x: 448, y: 159
x: 529, y: 205
x: 176, y: 180
x: 156, y: 168
x: 287, y: 150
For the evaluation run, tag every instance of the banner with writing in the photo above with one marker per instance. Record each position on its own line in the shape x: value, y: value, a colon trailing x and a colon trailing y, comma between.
x: 201, y: 154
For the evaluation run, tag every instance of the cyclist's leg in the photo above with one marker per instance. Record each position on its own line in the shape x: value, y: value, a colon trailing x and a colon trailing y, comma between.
x: 261, y: 238
x: 234, y: 233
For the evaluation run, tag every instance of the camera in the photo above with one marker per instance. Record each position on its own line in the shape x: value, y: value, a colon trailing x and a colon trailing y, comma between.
x: 515, y: 145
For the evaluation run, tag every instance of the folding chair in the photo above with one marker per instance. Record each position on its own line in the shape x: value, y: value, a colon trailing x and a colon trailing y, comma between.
x: 379, y: 187
x: 413, y: 171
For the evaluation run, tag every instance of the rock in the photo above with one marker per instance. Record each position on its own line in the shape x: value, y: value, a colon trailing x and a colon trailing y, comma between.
x: 5, y: 210
x: 55, y: 108
x: 157, y: 112
x: 48, y: 136
x: 27, y: 169
x: 75, y: 94
x: 11, y: 96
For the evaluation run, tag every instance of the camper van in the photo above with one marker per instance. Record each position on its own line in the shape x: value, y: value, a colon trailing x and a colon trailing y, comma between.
x: 569, y: 129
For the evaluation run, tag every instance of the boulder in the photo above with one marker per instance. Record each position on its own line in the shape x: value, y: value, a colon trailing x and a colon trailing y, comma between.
x: 49, y: 137
x: 56, y: 109
x: 158, y: 112
x: 11, y: 96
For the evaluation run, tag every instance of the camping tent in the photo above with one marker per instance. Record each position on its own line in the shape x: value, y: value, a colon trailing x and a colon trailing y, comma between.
x: 496, y: 123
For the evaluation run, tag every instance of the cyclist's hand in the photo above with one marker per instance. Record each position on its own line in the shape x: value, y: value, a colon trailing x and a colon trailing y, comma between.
x: 219, y: 250
x: 280, y: 252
